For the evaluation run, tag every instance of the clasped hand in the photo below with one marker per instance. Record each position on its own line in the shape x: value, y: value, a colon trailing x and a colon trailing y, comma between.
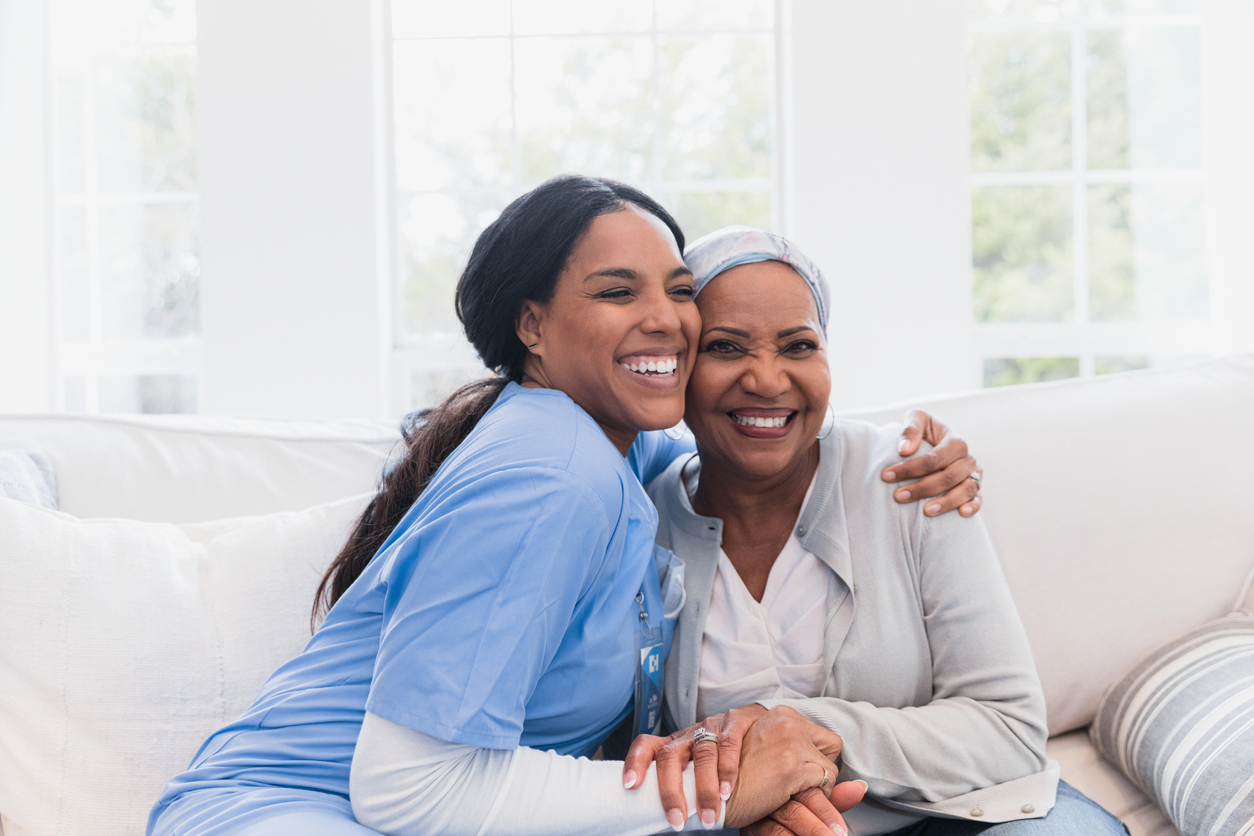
x: 775, y: 769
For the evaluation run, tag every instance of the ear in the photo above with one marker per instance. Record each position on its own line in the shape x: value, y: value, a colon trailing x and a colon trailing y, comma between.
x: 529, y: 325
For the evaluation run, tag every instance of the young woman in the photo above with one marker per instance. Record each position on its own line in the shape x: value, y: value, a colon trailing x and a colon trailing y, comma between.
x: 809, y: 592
x: 500, y: 603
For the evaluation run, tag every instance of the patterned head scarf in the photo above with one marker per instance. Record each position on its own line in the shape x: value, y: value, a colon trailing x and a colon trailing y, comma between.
x: 732, y: 246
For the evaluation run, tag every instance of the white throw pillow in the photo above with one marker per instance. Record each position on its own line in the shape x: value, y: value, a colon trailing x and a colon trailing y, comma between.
x: 124, y: 644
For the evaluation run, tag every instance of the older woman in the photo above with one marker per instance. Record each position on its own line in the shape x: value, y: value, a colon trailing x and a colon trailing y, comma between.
x: 810, y: 590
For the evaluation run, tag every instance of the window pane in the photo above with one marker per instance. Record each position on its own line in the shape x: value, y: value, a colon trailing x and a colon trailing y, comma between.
x: 146, y: 120
x: 1020, y: 101
x: 1144, y: 98
x: 584, y: 106
x: 1022, y: 253
x: 1105, y: 8
x: 79, y: 25
x: 432, y: 386
x: 150, y: 271
x: 429, y: 19
x: 75, y: 394
x: 437, y: 233
x: 1043, y: 11
x: 553, y: 17
x: 1114, y: 365
x: 700, y: 213
x: 72, y: 273
x: 1146, y: 252
x: 452, y: 113
x: 716, y: 106
x: 1011, y: 372
x: 715, y: 14
x: 163, y: 393
x: 70, y: 153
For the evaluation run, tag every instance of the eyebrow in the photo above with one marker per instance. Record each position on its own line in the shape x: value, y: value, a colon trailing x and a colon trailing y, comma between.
x: 788, y: 332
x: 631, y: 275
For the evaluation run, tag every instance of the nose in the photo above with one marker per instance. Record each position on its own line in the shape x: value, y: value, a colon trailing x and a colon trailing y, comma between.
x: 661, y: 314
x: 765, y: 376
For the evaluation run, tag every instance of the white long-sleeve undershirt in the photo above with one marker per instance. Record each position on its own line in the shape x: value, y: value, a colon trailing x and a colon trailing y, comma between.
x: 406, y: 783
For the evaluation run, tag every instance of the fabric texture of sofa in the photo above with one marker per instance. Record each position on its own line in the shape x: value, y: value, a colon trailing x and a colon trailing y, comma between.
x: 1114, y: 503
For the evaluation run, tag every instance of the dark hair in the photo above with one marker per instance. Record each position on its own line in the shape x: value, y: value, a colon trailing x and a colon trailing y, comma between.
x: 517, y: 258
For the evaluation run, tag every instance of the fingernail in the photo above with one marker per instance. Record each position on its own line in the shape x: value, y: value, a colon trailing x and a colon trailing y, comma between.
x: 865, y: 786
x: 629, y: 780
x: 901, y: 445
x: 902, y: 496
x: 890, y: 476
x: 934, y: 508
x: 724, y: 790
x: 675, y: 818
x: 840, y: 831
x: 708, y: 817
x: 965, y: 510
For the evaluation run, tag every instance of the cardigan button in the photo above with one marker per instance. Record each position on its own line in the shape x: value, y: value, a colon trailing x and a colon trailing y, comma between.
x: 801, y: 530
x: 977, y: 812
x: 1028, y: 808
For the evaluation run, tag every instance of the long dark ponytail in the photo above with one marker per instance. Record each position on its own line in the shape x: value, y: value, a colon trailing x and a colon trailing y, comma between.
x: 518, y: 257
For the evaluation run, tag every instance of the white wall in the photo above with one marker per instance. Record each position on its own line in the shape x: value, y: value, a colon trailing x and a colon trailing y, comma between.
x: 879, y: 147
x: 25, y: 284
x: 293, y: 305
x: 1228, y: 153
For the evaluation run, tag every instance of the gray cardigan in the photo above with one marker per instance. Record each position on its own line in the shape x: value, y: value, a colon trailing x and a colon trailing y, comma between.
x: 931, y: 681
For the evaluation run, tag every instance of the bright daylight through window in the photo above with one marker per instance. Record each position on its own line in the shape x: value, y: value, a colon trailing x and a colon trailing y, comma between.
x: 1086, y: 186
x: 125, y: 183
x: 493, y: 98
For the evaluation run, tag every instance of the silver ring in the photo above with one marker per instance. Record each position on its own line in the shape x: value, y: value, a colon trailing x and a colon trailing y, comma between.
x: 703, y: 734
x: 826, y: 777
x: 975, y: 477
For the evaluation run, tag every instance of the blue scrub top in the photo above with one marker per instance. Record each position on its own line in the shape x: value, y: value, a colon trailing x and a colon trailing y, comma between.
x: 500, y: 612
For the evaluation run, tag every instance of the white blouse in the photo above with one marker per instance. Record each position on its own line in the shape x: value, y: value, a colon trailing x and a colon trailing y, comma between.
x: 771, y: 649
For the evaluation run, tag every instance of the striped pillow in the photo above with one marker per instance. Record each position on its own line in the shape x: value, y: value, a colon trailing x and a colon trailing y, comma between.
x: 1181, y: 726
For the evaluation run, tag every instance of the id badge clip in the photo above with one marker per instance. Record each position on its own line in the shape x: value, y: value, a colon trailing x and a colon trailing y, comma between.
x: 649, y: 643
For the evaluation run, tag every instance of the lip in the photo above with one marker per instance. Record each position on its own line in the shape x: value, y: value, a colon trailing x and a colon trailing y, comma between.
x: 763, y: 432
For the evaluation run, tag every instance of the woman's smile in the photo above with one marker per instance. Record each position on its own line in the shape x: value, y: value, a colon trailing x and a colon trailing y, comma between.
x: 763, y: 423
x: 655, y: 370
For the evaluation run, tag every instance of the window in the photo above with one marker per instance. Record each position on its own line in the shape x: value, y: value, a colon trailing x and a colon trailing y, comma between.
x: 677, y: 97
x: 126, y: 228
x: 1086, y: 186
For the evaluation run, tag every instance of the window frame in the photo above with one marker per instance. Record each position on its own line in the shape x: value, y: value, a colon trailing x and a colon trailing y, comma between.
x: 97, y: 357
x: 1084, y: 338
x: 448, y: 353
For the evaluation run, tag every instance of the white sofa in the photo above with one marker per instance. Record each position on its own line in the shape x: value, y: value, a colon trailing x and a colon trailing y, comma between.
x: 1117, y: 505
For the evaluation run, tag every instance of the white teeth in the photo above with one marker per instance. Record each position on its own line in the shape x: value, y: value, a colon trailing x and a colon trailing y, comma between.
x: 765, y: 423
x: 660, y: 368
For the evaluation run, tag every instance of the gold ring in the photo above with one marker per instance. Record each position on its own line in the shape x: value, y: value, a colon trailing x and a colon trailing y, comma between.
x: 826, y: 777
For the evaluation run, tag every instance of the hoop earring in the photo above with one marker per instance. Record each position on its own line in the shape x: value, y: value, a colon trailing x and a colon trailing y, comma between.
x: 828, y: 424
x: 533, y: 345
x: 676, y: 432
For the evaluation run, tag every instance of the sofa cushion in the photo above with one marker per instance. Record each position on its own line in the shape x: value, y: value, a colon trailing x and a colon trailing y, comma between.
x: 188, y: 468
x: 1181, y: 726
x: 124, y: 644
x: 1111, y: 503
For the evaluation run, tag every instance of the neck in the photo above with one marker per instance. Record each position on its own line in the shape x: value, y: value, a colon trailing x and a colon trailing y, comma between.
x: 730, y: 494
x: 534, y: 378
